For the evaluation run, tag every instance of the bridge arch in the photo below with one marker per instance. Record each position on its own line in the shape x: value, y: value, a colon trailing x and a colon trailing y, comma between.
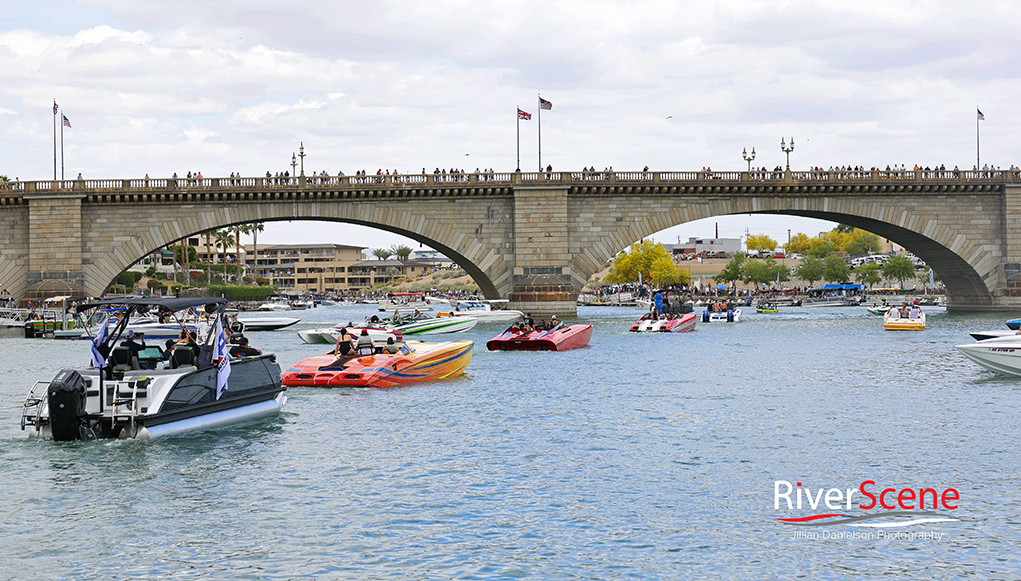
x: 968, y: 265
x: 444, y: 225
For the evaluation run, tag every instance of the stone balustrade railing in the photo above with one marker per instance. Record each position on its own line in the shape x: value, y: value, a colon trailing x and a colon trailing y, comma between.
x: 514, y: 179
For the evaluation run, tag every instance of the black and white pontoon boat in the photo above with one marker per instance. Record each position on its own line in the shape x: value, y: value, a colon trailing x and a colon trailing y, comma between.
x: 132, y: 393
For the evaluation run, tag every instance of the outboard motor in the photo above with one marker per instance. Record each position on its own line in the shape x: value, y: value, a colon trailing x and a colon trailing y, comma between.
x: 67, y: 405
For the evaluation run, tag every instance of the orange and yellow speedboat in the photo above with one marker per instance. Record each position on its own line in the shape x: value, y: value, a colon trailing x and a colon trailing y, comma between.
x: 414, y: 361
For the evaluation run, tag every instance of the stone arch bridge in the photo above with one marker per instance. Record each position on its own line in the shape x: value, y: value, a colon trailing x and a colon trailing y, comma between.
x: 505, y: 229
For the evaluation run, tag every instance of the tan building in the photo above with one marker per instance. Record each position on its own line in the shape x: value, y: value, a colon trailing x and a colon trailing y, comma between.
x: 367, y: 273
x: 308, y: 267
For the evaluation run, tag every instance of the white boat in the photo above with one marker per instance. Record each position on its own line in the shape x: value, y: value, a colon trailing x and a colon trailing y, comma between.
x: 999, y: 354
x: 731, y: 316
x: 274, y: 306
x: 435, y: 325
x: 328, y: 335
x: 983, y: 335
x: 408, y: 302
x: 829, y: 302
x: 484, y: 311
x: 266, y: 323
x: 138, y: 394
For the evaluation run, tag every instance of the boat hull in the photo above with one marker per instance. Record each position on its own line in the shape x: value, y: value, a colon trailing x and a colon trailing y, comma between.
x: 904, y: 324
x: 560, y: 339
x: 423, y: 362
x: 732, y: 316
x: 267, y: 323
x: 681, y: 324
x: 1001, y: 355
x: 438, y: 325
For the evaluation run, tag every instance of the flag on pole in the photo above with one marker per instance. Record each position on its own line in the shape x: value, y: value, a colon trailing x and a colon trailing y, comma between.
x: 66, y: 122
x: 932, y: 283
x: 98, y: 362
x: 523, y: 115
x: 981, y: 117
x: 222, y: 360
x: 55, y: 107
x: 544, y: 104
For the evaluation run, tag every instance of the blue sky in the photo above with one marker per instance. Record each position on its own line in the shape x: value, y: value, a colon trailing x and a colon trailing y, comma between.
x: 157, y: 87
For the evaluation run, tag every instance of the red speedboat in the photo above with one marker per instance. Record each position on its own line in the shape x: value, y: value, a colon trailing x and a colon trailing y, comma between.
x: 560, y: 338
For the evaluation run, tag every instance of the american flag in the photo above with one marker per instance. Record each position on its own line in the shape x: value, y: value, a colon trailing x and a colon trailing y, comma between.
x: 981, y: 117
x: 66, y: 122
x: 523, y: 115
x: 544, y: 104
x: 54, y: 107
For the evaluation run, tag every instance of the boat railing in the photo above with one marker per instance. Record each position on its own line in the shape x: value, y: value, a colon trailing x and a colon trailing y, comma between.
x: 32, y: 409
x: 117, y: 403
x: 11, y: 316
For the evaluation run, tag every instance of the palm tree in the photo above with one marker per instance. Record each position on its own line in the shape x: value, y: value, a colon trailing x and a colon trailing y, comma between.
x: 224, y: 240
x: 209, y: 258
x: 255, y: 228
x: 238, y: 231
x: 382, y: 253
x: 402, y: 252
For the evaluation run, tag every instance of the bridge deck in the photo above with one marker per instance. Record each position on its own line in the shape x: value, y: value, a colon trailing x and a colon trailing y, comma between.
x: 500, y: 184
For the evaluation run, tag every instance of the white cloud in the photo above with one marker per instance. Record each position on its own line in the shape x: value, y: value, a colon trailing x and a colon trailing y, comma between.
x: 161, y: 86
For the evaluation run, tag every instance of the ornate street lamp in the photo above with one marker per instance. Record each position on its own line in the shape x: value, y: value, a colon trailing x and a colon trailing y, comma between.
x: 744, y: 154
x: 787, y: 150
x: 294, y: 163
x: 301, y: 154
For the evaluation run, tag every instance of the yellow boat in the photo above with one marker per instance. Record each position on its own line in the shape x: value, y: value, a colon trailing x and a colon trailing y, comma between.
x: 893, y: 321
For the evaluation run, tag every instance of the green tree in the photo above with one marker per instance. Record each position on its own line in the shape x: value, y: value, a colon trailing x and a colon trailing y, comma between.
x: 636, y: 262
x: 760, y: 242
x: 255, y: 228
x: 240, y: 229
x: 664, y: 272
x: 821, y: 250
x: 402, y: 252
x: 733, y: 272
x: 869, y: 274
x: 836, y: 270
x: 800, y: 243
x: 862, y: 242
x: 756, y: 272
x: 224, y: 240
x: 382, y: 253
x: 899, y: 267
x: 810, y: 270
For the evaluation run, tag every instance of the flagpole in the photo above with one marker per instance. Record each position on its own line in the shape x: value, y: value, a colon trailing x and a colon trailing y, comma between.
x: 539, y: 103
x: 978, y: 162
x: 61, y: 147
x: 54, y: 140
x: 518, y: 117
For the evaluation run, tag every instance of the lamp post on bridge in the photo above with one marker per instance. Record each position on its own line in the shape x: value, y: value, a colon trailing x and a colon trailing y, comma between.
x: 294, y: 164
x: 301, y: 154
x: 744, y: 154
x: 787, y: 150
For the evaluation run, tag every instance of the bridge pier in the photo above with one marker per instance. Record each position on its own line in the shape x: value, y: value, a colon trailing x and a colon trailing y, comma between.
x: 55, y: 240
x: 542, y: 274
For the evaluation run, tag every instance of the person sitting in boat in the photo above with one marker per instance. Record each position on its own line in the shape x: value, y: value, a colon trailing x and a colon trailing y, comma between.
x: 364, y: 345
x: 345, y: 344
x: 653, y: 314
x: 417, y: 315
x: 242, y: 348
x: 916, y: 312
x: 134, y: 347
x: 904, y: 312
x: 528, y: 320
x: 391, y: 346
x: 553, y: 322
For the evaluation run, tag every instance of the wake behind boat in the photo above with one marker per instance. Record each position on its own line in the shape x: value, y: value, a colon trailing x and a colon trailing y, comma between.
x: 132, y: 391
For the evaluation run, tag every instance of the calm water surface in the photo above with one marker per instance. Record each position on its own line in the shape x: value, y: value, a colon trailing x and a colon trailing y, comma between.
x: 639, y: 457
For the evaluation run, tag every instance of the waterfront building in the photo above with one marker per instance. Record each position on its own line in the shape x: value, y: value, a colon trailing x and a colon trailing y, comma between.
x: 322, y: 267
